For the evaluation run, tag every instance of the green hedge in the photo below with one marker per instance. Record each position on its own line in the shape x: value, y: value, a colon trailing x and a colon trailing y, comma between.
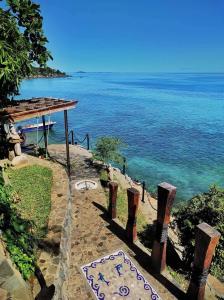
x: 209, y: 208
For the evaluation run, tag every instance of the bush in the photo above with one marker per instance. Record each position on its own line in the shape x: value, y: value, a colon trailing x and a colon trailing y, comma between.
x: 17, y: 234
x: 209, y: 208
x: 104, y: 175
x: 107, y: 150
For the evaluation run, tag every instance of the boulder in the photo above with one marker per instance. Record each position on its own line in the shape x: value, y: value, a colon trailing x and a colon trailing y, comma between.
x: 19, y: 161
x: 17, y: 148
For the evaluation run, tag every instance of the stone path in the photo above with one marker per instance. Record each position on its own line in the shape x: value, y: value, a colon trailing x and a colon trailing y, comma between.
x: 93, y: 236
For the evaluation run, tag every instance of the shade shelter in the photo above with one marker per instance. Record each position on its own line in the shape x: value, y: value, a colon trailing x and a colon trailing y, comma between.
x: 39, y: 107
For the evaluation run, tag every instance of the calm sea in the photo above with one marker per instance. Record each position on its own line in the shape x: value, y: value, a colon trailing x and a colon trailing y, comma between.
x: 173, y: 124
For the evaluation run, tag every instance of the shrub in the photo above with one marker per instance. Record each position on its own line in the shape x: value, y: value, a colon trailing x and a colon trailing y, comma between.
x: 104, y: 175
x: 17, y: 234
x: 107, y: 150
x: 207, y: 207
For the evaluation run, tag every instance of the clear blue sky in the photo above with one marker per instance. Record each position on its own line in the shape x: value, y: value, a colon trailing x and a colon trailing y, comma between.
x: 135, y: 35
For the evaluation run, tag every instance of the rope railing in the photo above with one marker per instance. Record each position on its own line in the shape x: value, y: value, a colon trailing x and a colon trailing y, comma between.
x: 78, y: 139
x: 149, y: 200
x: 57, y: 139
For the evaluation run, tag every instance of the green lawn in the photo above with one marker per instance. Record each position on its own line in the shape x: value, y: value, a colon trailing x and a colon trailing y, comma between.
x: 122, y: 208
x: 33, y: 186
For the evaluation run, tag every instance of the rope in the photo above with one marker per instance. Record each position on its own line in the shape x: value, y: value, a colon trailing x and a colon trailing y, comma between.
x: 56, y: 139
x: 78, y: 140
x: 146, y: 194
x: 40, y: 140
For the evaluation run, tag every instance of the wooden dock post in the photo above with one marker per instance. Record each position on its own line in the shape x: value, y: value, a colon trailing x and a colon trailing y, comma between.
x: 113, y: 187
x: 133, y: 202
x: 166, y: 195
x: 206, y: 240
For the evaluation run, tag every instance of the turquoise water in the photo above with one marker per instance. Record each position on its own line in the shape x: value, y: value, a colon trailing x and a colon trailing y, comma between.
x: 173, y: 124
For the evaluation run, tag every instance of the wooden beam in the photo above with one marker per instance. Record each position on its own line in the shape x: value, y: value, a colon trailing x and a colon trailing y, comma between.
x: 67, y: 142
x: 133, y: 202
x: 113, y: 187
x: 45, y: 136
x: 166, y: 195
x: 28, y: 109
x: 206, y: 240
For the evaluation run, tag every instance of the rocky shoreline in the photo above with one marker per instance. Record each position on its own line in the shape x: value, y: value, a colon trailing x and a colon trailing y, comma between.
x: 48, y: 76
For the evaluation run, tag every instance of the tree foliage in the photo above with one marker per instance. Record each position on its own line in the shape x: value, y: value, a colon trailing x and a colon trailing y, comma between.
x: 209, y: 208
x: 107, y: 149
x: 47, y: 72
x: 16, y: 233
x: 22, y: 43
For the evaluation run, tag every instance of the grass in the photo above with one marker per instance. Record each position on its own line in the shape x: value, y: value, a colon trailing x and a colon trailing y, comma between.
x: 122, y: 208
x: 179, y: 277
x: 33, y: 186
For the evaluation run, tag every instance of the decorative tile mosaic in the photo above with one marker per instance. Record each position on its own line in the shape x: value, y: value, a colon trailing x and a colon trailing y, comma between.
x: 115, y: 277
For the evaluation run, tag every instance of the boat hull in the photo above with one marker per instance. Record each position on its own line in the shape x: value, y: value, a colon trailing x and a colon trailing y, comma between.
x: 35, y: 128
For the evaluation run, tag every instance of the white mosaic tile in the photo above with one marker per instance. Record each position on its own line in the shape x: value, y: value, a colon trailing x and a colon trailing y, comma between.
x: 116, y: 277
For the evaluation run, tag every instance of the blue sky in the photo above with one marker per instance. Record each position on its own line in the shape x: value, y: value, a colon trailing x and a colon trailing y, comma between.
x: 135, y: 36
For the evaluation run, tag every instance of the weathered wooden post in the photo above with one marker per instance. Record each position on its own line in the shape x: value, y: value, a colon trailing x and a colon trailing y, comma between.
x: 133, y: 202
x: 113, y: 187
x: 67, y: 142
x: 206, y: 240
x: 166, y: 195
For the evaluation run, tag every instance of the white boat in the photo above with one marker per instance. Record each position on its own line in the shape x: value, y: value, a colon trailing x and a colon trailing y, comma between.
x: 34, y: 127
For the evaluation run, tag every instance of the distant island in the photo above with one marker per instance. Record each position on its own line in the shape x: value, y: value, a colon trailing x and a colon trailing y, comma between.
x: 46, y: 72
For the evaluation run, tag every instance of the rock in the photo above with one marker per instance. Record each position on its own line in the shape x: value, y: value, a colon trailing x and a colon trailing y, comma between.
x: 11, y: 282
x: 17, y: 149
x: 19, y: 160
x: 11, y: 155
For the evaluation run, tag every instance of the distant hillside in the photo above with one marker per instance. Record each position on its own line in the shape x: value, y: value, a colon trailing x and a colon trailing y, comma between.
x: 47, y: 72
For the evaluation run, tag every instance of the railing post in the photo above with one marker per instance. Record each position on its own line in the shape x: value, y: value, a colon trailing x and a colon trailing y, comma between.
x: 45, y: 136
x: 143, y: 191
x: 133, y: 202
x: 87, y: 137
x: 113, y: 187
x: 166, y: 195
x: 124, y: 166
x: 72, y: 133
x: 67, y: 142
x: 206, y: 240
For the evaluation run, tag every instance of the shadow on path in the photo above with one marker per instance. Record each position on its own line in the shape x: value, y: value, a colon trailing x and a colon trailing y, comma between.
x: 141, y: 256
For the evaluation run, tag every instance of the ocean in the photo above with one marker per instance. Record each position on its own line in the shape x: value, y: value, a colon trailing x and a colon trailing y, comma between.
x: 172, y: 124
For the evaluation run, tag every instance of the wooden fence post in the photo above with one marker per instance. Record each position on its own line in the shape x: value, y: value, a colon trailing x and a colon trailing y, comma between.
x: 113, y: 187
x: 206, y: 240
x: 166, y: 195
x: 133, y: 202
